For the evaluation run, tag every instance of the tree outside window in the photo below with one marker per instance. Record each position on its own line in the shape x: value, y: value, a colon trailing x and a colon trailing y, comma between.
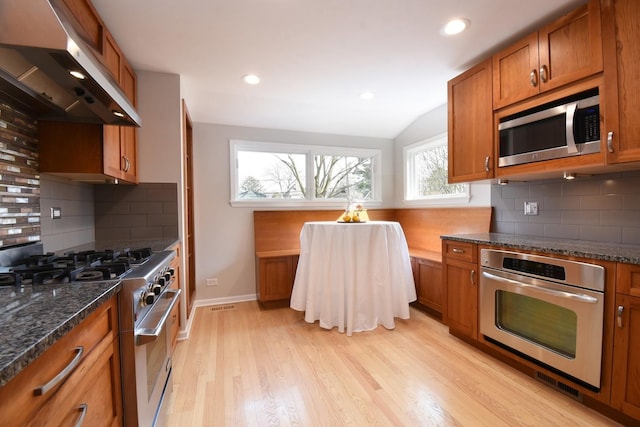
x: 337, y: 173
x: 427, y: 171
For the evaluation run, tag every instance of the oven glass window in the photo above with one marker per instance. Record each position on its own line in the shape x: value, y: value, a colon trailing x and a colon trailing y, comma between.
x: 156, y: 355
x: 543, y: 323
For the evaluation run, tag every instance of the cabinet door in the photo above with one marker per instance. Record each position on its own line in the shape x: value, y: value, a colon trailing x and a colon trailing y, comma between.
x: 621, y: 50
x: 625, y: 393
x: 570, y: 48
x: 276, y: 277
x: 562, y: 52
x: 429, y: 284
x: 515, y: 72
x: 111, y: 154
x: 462, y: 297
x: 128, y: 153
x: 471, y: 125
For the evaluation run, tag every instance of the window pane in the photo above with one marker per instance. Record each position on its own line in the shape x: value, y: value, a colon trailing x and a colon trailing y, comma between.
x: 342, y: 177
x: 270, y: 175
x: 431, y: 171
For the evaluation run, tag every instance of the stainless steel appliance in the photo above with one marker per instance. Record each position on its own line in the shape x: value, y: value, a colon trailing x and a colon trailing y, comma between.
x: 550, y: 310
x: 36, y: 66
x: 145, y: 342
x: 564, y: 128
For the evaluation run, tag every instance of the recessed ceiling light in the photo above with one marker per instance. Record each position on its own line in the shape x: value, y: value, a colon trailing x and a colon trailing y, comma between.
x: 251, y: 79
x: 367, y: 95
x: 455, y: 26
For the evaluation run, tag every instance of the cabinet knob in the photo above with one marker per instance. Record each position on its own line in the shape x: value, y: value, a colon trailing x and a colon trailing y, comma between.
x: 457, y: 251
x: 82, y: 408
x: 487, y: 159
x: 533, y: 78
x: 472, y: 277
x: 544, y: 75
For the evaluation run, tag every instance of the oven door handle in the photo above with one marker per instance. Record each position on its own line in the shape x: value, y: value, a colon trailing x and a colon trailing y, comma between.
x: 554, y: 292
x: 153, y: 323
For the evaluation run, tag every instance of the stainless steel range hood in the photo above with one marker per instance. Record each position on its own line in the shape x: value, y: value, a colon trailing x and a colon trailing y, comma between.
x: 38, y: 50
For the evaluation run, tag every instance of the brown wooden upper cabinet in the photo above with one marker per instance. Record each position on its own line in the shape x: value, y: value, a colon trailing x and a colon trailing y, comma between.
x: 621, y: 50
x: 561, y: 52
x: 470, y: 133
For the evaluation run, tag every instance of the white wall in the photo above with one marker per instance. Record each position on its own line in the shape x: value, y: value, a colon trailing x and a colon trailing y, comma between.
x: 224, y: 234
x: 430, y: 124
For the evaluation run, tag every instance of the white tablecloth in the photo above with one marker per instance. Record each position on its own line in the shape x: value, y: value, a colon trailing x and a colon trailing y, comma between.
x: 354, y: 276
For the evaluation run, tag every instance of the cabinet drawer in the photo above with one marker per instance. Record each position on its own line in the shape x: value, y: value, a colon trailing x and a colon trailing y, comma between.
x: 628, y: 279
x: 18, y: 401
x: 459, y: 250
x: 92, y: 393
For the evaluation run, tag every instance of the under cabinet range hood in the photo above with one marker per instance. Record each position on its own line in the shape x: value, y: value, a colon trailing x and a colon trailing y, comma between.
x: 39, y: 50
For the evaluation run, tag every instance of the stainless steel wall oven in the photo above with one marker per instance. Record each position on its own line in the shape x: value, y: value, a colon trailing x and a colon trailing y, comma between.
x: 547, y: 309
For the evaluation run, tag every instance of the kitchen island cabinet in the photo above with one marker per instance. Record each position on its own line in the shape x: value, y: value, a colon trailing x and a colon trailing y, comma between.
x: 559, y: 53
x: 77, y: 377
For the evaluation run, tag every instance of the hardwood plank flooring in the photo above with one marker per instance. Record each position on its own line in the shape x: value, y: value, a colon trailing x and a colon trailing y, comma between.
x: 247, y: 366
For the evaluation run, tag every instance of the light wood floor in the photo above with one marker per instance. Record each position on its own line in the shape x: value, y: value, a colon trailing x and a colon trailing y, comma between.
x: 246, y: 366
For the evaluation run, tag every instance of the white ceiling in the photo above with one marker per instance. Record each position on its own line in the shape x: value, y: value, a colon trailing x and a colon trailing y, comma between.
x: 315, y: 57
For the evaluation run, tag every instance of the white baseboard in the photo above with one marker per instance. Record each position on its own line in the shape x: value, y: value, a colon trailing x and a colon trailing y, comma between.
x: 186, y: 332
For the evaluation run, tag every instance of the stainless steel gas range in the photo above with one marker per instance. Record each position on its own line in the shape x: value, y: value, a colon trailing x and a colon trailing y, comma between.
x: 145, y: 301
x: 145, y: 342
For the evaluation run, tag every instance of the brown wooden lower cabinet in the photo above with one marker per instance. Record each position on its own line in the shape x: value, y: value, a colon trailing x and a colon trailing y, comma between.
x: 174, y: 316
x: 625, y: 391
x: 427, y: 275
x: 275, y: 276
x: 92, y: 389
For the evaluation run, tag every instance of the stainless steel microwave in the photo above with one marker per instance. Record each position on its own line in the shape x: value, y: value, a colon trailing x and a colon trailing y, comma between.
x: 567, y: 127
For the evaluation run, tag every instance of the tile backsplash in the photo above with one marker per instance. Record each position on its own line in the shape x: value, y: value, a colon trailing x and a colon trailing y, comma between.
x: 129, y: 212
x: 601, y: 208
x: 19, y: 178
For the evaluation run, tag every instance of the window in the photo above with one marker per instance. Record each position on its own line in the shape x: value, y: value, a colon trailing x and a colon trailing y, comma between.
x: 426, y: 174
x: 290, y: 174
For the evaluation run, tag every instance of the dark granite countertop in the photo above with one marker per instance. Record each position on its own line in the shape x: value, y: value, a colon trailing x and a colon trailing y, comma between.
x: 32, y: 318
x: 579, y: 248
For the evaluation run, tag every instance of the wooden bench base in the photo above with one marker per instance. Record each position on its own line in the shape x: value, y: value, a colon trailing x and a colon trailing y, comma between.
x: 277, y: 245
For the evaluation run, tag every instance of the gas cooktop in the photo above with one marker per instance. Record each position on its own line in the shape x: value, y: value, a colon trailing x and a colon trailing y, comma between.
x: 84, y: 266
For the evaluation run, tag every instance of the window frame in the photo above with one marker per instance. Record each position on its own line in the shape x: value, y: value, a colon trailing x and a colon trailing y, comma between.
x: 310, y: 151
x: 409, y: 184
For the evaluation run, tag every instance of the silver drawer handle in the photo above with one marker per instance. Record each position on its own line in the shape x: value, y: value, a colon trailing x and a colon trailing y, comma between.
x: 487, y: 159
x: 457, y: 251
x: 533, y: 78
x: 619, y: 316
x: 158, y: 315
x: 83, y: 413
x: 62, y: 374
x: 610, y: 142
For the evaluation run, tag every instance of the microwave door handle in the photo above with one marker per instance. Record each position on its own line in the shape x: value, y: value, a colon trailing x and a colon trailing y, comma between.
x: 571, y: 141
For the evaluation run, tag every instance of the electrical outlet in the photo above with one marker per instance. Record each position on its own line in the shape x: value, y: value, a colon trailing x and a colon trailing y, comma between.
x: 531, y: 208
x: 212, y: 282
x: 56, y: 213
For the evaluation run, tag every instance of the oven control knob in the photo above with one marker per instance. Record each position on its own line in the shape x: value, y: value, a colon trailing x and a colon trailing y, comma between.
x: 156, y: 288
x: 148, y: 298
x: 162, y: 281
x: 172, y: 272
x: 168, y: 275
